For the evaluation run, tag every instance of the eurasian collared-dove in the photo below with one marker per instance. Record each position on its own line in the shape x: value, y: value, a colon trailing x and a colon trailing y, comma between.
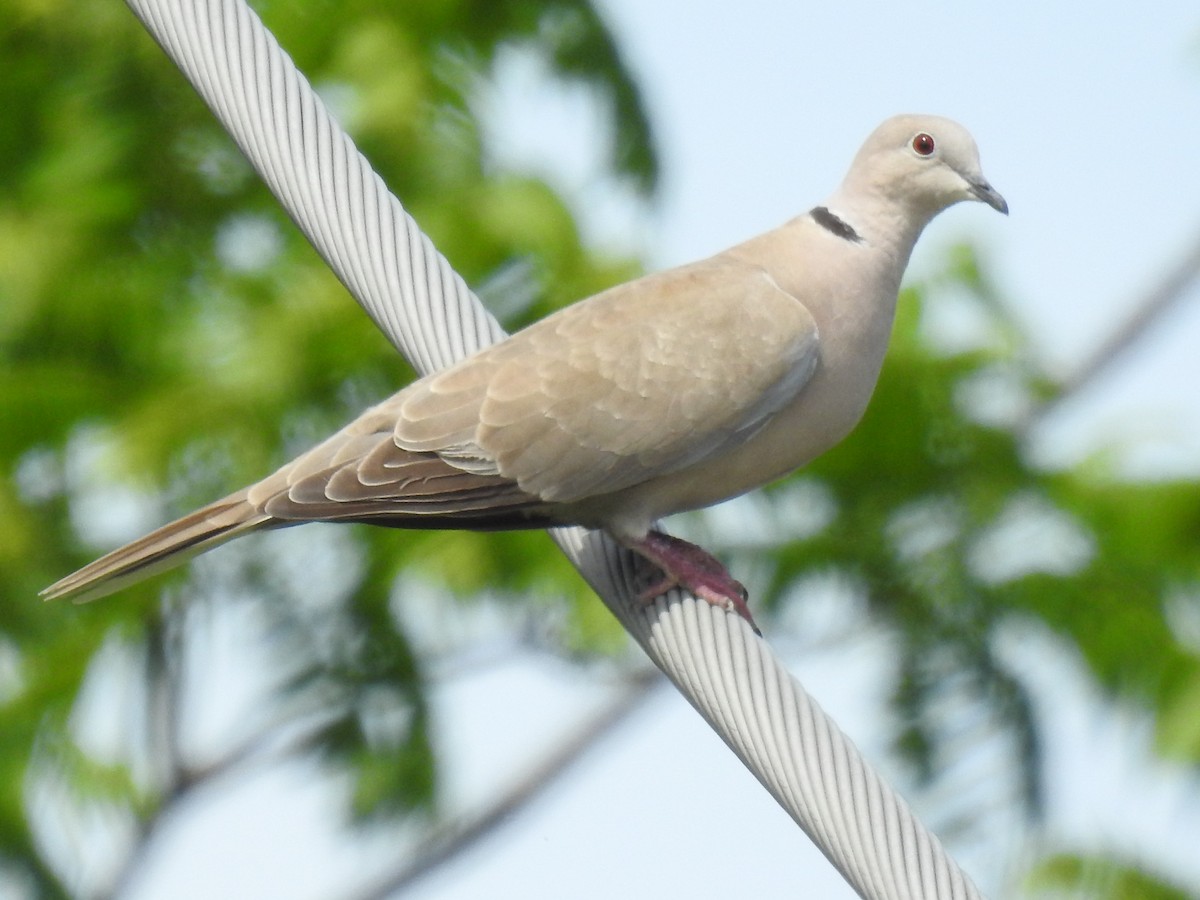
x: 669, y: 393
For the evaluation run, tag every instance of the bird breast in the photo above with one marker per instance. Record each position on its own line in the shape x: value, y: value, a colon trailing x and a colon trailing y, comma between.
x: 854, y: 329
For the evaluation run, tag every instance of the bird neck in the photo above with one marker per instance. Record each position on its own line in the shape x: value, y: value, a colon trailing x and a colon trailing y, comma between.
x: 877, y: 222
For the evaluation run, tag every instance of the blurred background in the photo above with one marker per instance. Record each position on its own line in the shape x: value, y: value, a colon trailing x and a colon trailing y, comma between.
x: 993, y: 585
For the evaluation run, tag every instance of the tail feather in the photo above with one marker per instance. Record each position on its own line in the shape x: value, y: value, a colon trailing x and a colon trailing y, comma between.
x: 165, y: 548
x: 348, y: 478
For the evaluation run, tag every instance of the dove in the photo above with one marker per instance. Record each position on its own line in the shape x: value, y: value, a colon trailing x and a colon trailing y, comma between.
x: 672, y: 392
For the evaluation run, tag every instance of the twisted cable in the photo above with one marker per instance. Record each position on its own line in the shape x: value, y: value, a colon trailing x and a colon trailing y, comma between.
x: 415, y: 297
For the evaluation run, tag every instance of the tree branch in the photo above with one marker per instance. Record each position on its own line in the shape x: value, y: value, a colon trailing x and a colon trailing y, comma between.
x: 1156, y: 302
x: 263, y: 746
x: 454, y: 838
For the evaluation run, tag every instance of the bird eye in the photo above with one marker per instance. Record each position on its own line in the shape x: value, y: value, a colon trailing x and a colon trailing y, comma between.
x: 923, y: 144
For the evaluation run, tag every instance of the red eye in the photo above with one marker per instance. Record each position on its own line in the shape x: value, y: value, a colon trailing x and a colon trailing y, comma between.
x: 923, y: 144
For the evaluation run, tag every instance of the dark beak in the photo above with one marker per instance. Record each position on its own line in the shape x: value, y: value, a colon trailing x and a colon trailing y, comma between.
x: 985, y: 193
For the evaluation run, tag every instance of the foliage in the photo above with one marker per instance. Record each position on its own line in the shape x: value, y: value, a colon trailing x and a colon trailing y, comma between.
x: 959, y: 541
x: 166, y: 333
x: 1095, y: 878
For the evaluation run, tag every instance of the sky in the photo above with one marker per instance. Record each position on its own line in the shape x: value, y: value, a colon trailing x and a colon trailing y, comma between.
x: 1088, y: 124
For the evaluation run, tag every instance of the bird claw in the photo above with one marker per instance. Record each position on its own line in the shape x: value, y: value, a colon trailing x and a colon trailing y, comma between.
x: 673, y: 562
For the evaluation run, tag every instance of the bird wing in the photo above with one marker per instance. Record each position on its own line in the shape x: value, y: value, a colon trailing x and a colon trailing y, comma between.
x: 637, y: 382
x: 360, y: 475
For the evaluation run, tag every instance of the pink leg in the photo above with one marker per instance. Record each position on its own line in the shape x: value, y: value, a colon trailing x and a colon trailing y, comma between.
x: 681, y: 564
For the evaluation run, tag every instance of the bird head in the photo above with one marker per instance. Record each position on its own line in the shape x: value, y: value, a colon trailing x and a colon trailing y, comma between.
x: 922, y: 164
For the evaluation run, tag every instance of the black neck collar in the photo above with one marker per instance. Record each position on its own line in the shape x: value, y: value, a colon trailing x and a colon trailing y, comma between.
x: 835, y: 226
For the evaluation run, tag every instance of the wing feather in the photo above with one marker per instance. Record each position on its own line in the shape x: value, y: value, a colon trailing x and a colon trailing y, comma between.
x: 639, y: 382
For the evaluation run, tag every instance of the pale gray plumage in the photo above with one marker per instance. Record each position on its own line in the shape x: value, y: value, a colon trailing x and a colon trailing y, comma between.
x: 671, y: 392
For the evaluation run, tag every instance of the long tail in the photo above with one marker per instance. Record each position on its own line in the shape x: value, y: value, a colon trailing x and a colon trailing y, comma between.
x: 357, y: 475
x: 169, y: 546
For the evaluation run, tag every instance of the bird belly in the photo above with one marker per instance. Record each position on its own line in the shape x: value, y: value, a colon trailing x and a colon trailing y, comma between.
x: 817, y: 420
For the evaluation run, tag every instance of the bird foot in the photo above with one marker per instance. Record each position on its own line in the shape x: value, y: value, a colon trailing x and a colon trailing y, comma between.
x: 678, y: 563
